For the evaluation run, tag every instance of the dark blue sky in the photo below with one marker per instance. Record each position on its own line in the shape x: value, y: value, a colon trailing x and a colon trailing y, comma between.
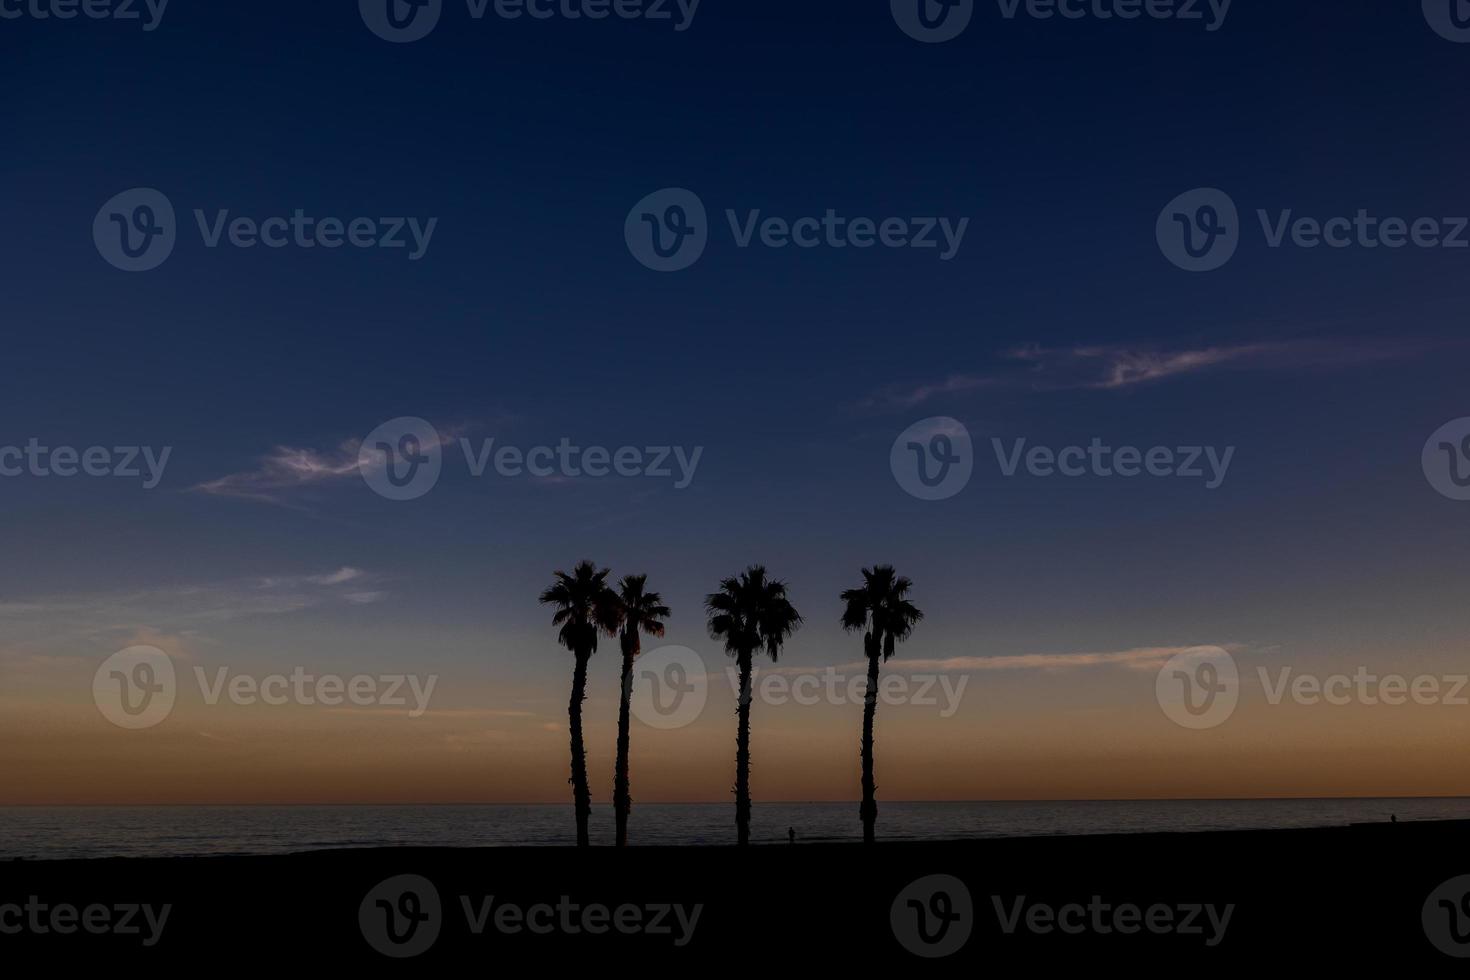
x: 529, y: 320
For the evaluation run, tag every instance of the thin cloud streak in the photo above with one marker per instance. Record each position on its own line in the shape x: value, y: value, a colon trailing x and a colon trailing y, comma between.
x: 1138, y: 658
x: 288, y: 469
x: 146, y: 614
x: 1116, y: 367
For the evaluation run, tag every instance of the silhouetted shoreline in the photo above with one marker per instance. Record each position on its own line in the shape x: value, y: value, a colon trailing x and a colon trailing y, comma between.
x: 1345, y: 894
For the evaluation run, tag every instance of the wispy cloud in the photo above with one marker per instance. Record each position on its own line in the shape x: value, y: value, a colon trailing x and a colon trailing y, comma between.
x: 1137, y: 658
x: 174, y: 617
x: 287, y: 470
x: 344, y: 574
x: 954, y: 384
x: 1114, y: 367
x: 1120, y: 367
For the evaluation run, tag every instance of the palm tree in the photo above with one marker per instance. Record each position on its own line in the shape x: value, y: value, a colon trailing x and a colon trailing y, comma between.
x: 640, y: 612
x: 585, y: 608
x: 749, y: 613
x: 882, y: 608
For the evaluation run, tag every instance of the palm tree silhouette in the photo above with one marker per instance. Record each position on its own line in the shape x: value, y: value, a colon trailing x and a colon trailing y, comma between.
x: 749, y: 613
x: 585, y: 608
x: 640, y: 612
x: 881, y: 607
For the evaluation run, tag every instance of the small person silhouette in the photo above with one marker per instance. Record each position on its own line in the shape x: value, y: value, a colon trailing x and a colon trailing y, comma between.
x: 791, y: 834
x: 1393, y: 818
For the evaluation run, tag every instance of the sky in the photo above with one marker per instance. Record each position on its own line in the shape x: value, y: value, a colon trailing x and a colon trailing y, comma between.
x: 1326, y: 546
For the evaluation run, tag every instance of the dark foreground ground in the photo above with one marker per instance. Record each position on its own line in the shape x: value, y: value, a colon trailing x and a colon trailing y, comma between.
x: 1364, y: 896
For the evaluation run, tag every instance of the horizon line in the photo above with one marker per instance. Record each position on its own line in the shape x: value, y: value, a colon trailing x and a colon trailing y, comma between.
x: 1161, y: 799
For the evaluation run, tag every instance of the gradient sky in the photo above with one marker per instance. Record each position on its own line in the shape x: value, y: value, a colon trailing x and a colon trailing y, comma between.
x: 529, y: 321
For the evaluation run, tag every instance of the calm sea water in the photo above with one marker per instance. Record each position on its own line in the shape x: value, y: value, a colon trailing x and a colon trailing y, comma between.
x: 73, y: 832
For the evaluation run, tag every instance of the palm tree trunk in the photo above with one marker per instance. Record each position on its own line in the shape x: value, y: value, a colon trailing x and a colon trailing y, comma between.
x: 622, y: 800
x: 581, y: 793
x: 742, y: 755
x: 869, y: 810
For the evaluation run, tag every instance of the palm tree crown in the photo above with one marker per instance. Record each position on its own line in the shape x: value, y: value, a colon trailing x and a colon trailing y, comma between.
x: 585, y: 607
x: 751, y: 612
x: 640, y: 611
x: 882, y: 608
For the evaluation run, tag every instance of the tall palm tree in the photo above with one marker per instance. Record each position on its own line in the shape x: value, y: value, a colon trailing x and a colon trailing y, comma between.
x: 881, y: 608
x: 749, y: 613
x: 640, y: 612
x: 585, y: 609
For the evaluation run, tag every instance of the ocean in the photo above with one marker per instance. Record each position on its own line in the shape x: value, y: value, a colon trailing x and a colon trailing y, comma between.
x: 146, y: 831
